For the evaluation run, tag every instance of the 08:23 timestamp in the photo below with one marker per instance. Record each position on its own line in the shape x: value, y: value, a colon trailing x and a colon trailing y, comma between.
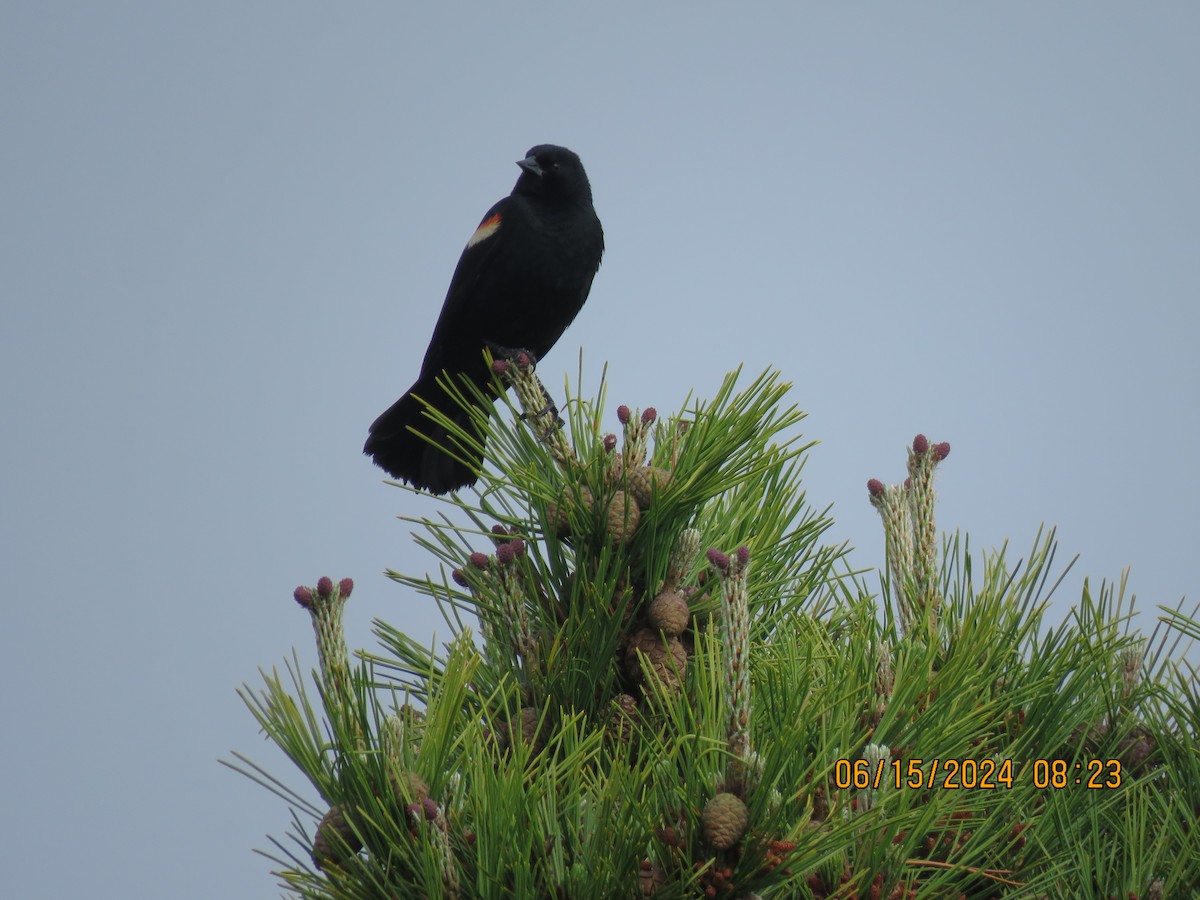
x: 989, y: 773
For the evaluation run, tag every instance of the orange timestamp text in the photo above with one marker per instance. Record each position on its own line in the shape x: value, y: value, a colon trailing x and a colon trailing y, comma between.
x: 971, y: 774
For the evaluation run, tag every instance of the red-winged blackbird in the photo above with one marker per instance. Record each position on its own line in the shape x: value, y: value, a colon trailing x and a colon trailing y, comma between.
x: 520, y: 281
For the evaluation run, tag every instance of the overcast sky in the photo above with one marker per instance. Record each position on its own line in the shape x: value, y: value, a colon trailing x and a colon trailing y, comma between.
x: 226, y: 230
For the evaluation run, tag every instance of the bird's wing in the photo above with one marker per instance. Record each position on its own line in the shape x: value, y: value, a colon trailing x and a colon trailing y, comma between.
x: 465, y: 319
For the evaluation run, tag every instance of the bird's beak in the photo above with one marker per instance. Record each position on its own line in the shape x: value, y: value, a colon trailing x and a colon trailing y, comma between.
x: 530, y: 164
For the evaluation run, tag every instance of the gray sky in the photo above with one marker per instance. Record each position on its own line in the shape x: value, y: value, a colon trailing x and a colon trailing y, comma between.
x: 226, y: 230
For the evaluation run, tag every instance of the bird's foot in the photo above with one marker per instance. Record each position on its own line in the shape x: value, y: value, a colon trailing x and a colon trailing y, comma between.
x: 548, y: 410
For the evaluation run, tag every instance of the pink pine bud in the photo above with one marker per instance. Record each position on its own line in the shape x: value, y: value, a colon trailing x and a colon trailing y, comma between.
x: 623, y: 414
x: 505, y: 554
x: 908, y: 484
x: 610, y: 443
x: 920, y: 444
x: 324, y: 587
x: 523, y: 361
x: 430, y: 808
x: 649, y: 415
x: 479, y: 560
x: 941, y: 451
x: 303, y: 596
x: 875, y: 487
x: 500, y: 531
x: 345, y: 586
x: 743, y: 555
x: 459, y: 578
x: 518, y: 547
x: 718, y: 559
x: 500, y: 366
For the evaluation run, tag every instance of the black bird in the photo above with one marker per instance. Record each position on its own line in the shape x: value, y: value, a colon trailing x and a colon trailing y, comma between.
x: 520, y: 281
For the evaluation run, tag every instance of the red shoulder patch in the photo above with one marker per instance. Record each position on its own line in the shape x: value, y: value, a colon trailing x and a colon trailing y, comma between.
x: 486, y: 229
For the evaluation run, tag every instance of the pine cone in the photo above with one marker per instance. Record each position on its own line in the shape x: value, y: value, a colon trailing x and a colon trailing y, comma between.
x: 645, y: 640
x: 651, y: 877
x: 336, y: 841
x: 724, y: 820
x: 644, y: 480
x: 669, y: 611
x: 1135, y: 749
x: 623, y: 518
x: 528, y: 731
x: 625, y: 713
x: 665, y: 657
x: 558, y: 514
x: 410, y: 786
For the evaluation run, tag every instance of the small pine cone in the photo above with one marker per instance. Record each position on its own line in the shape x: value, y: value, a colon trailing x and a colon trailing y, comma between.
x: 718, y: 560
x: 527, y: 727
x: 623, y: 518
x: 558, y: 514
x: 1135, y: 749
x: 645, y: 640
x: 644, y: 481
x: 620, y: 725
x: 724, y: 820
x: 669, y: 611
x: 336, y: 841
x: 556, y: 518
x: 1091, y: 736
x: 651, y: 877
x: 621, y: 598
x: 409, y: 786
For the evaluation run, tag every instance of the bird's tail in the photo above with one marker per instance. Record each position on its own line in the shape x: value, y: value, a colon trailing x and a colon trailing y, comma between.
x: 407, y: 444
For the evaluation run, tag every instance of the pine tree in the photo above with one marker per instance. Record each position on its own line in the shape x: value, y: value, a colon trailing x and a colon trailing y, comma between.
x: 662, y: 682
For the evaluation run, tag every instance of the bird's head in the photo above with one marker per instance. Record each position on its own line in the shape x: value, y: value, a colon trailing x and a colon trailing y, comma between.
x: 553, y: 173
